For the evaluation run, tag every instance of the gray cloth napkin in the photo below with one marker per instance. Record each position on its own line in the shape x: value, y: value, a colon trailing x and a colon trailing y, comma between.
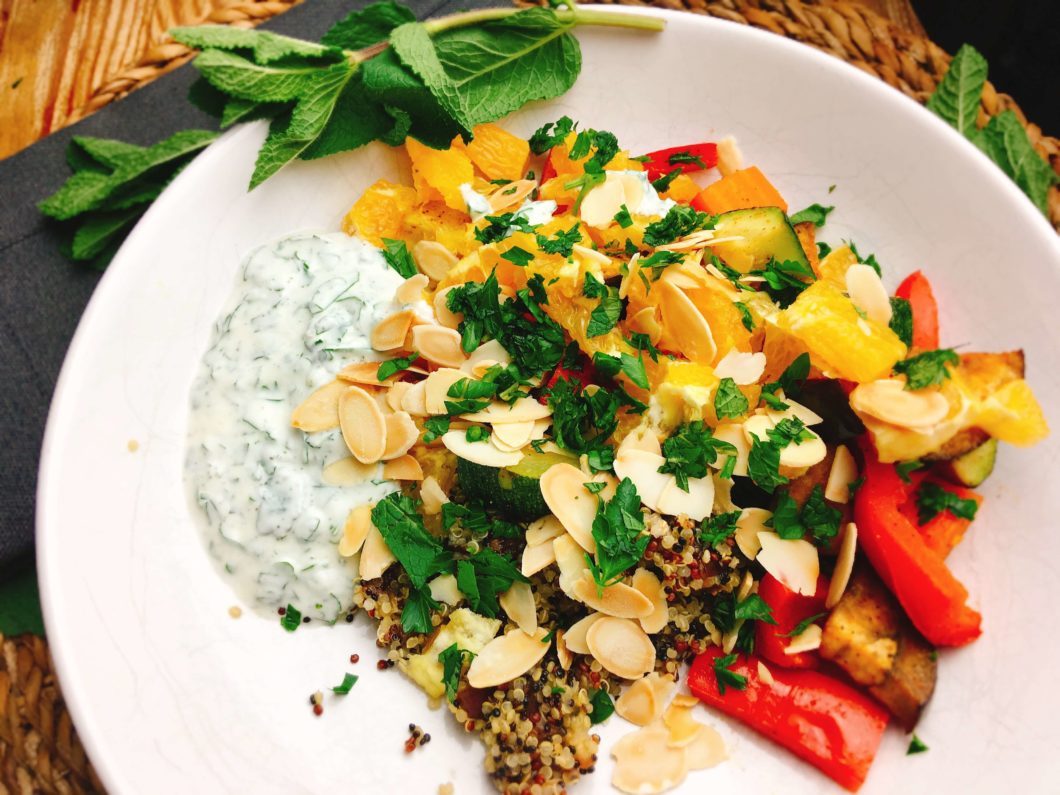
x: 42, y: 294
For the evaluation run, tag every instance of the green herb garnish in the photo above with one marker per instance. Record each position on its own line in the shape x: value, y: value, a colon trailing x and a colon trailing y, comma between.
x: 729, y: 401
x: 815, y: 213
x: 452, y: 659
x: 348, y: 681
x: 602, y: 706
x: 929, y: 368
x: 618, y: 532
x: 916, y: 745
x: 727, y: 678
x: 689, y: 450
x: 291, y: 618
x: 393, y: 366
x: 932, y: 499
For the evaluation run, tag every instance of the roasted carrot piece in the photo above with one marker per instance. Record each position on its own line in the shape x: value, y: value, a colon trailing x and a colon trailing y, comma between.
x: 740, y: 190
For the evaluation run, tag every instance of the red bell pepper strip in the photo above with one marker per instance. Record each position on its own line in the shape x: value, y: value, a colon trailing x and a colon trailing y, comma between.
x: 826, y: 722
x: 916, y: 289
x: 917, y: 575
x: 945, y: 531
x: 548, y: 171
x: 789, y: 609
x: 658, y: 163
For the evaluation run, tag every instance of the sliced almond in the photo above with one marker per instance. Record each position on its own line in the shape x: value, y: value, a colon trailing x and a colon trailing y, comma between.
x: 401, y: 434
x: 507, y: 657
x: 319, y: 411
x: 491, y: 351
x: 544, y: 529
x: 646, y: 321
x: 518, y: 603
x: 396, y: 393
x: 432, y: 496
x: 405, y: 467
x: 681, y: 317
x: 682, y: 727
x: 621, y: 646
x: 743, y: 368
x: 844, y: 566
x: 537, y: 557
x: 696, y: 503
x: 434, y: 259
x: 730, y: 158
x: 376, y: 556
x: 482, y: 453
x: 438, y: 345
x: 444, y: 589
x: 733, y: 433
x: 642, y: 468
x: 563, y: 654
x: 637, y: 703
x: 414, y: 400
x: 363, y: 425
x: 867, y: 292
x: 570, y: 557
x: 619, y: 600
x: 563, y: 487
x: 751, y: 522
x: 889, y: 400
x: 807, y: 640
x: 794, y: 562
x: 648, y: 584
x: 602, y: 202
x: 514, y: 435
x: 361, y: 373
x: 640, y: 438
x: 436, y: 389
x: 646, y: 764
x: 844, y: 471
x: 389, y: 333
x: 521, y: 410
x: 764, y: 674
x: 445, y: 316
x: 355, y: 530
x: 796, y: 455
x: 575, y: 635
x: 348, y: 472
x: 706, y: 749
x: 511, y: 195
x: 411, y: 290
x: 794, y: 410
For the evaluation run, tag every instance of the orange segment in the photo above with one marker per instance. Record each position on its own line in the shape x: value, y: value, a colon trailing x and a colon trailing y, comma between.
x: 682, y: 190
x: 497, y: 153
x: 1013, y: 415
x: 833, y: 268
x: 724, y: 319
x: 380, y: 212
x: 439, y: 173
x: 435, y: 221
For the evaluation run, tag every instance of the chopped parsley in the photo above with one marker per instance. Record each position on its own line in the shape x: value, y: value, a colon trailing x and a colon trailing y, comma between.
x: 754, y: 608
x: 916, y: 746
x: 815, y: 213
x: 719, y: 527
x: 595, y: 486
x: 484, y: 576
x: 392, y: 366
x: 397, y: 256
x: 434, y: 427
x: 603, y: 706
x: 727, y: 678
x: 802, y: 626
x: 680, y: 220
x: 793, y: 377
x: 902, y: 320
x: 548, y: 135
x: 348, y: 681
x: 686, y: 158
x: 606, y: 147
x: 763, y: 465
x: 475, y: 520
x: 870, y: 260
x: 518, y: 256
x: 785, y: 280
x: 291, y: 618
x: 729, y: 401
x: 623, y: 218
x: 618, y: 532
x: 854, y: 485
x: 642, y: 342
x: 605, y: 314
x: 903, y: 468
x: 562, y: 243
x: 662, y: 184
x: 660, y: 261
x: 452, y: 660
x: 816, y: 517
x: 932, y: 499
x: 583, y: 419
x: 499, y: 227
x: 690, y: 449
x: 631, y: 366
x: 928, y: 368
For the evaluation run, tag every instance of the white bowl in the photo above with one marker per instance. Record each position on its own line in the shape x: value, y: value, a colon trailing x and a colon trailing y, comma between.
x: 171, y: 695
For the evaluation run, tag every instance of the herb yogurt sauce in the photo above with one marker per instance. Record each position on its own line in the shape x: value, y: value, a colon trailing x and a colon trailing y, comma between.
x: 302, y: 308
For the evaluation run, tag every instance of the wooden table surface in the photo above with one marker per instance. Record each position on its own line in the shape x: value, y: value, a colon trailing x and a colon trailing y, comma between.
x: 60, y: 58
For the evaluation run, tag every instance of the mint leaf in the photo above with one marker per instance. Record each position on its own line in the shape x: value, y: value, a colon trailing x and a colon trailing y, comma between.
x: 367, y: 26
x: 632, y: 366
x: 928, y: 368
x: 689, y: 450
x: 763, y: 465
x: 602, y: 706
x: 956, y: 100
x: 20, y: 610
x: 902, y: 320
x: 348, y: 681
x: 729, y: 401
x: 397, y: 256
x: 1005, y: 140
x: 417, y: 52
x: 435, y: 427
x: 416, y: 614
x: 754, y: 608
x: 618, y: 532
x: 99, y: 154
x: 815, y: 213
x: 932, y: 499
x: 419, y: 553
x: 356, y: 120
x: 483, y: 577
x: 452, y: 660
x: 726, y: 678
x: 392, y: 366
x: 263, y: 46
x: 291, y: 618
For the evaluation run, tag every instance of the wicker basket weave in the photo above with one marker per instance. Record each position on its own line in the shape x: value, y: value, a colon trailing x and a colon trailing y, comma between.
x: 39, y: 749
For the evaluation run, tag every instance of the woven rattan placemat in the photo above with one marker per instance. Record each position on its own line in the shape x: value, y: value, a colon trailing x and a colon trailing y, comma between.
x: 39, y: 749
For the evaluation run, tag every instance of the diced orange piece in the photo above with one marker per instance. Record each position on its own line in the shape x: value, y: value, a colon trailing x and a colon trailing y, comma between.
x: 435, y: 221
x: 497, y: 153
x: 441, y: 170
x: 380, y: 212
x: 724, y: 319
x: 1013, y: 415
x: 682, y: 190
x: 741, y: 190
x: 833, y: 268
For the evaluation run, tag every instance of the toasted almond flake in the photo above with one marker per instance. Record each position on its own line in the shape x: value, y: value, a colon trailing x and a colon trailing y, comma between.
x: 414, y: 400
x: 640, y: 438
x: 682, y: 317
x: 511, y: 195
x: 443, y: 588
x: 844, y: 471
x: 730, y: 158
x: 411, y: 290
x: 389, y: 333
x: 793, y: 562
x: 563, y: 487
x: 401, y: 434
x: 544, y: 529
x: 681, y: 725
x: 575, y: 635
x: 436, y: 389
x: 482, y: 453
x: 637, y: 703
x: 643, y: 469
x: 844, y: 566
x: 445, y: 316
x: 799, y: 455
x: 648, y: 584
x: 438, y: 345
x: 514, y: 434
x: 867, y: 292
x: 432, y: 496
x: 621, y: 646
x: 405, y: 467
x: 521, y: 410
x: 602, y: 203
x: 518, y: 603
x: 537, y: 557
x: 889, y: 400
x: 733, y: 433
x: 492, y: 352
x: 355, y: 530
x: 752, y: 521
x: 361, y: 373
x: 395, y: 394
x: 506, y: 657
x: 434, y: 259
x: 743, y: 368
x: 706, y: 750
x: 619, y: 600
x: 348, y: 472
x: 684, y: 275
x: 807, y: 640
x: 376, y: 556
x: 363, y: 425
x: 570, y: 557
x: 646, y: 321
x: 685, y: 700
x: 696, y: 503
x: 765, y: 674
x: 692, y: 242
x: 795, y: 410
x: 645, y: 763
x: 319, y: 411
x: 563, y: 654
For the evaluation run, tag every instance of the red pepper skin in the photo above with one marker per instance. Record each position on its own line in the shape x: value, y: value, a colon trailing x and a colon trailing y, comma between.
x: 917, y: 575
x: 788, y: 608
x: 916, y: 289
x: 828, y: 723
x: 658, y: 163
x: 944, y: 532
x: 548, y: 171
